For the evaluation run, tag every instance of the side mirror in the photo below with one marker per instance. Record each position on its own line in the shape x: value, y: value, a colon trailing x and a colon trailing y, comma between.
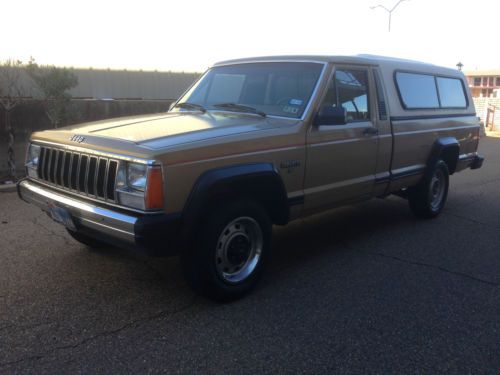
x: 331, y: 116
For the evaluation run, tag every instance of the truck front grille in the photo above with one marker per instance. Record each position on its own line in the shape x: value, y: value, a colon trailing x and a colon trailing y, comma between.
x: 81, y: 173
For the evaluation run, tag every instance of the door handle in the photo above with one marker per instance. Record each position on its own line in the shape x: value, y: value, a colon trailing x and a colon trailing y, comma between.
x: 370, y: 131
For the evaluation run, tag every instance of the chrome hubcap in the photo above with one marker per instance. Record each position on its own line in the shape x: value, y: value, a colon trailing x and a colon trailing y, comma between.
x: 239, y: 248
x: 437, y: 189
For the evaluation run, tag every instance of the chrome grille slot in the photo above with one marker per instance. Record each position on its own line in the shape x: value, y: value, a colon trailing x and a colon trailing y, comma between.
x: 80, y: 173
x: 66, y: 169
x: 111, y: 179
x: 46, y: 165
x: 91, y: 176
x: 59, y: 167
x: 74, y: 170
x: 40, y: 162
x: 101, y: 173
x: 53, y: 166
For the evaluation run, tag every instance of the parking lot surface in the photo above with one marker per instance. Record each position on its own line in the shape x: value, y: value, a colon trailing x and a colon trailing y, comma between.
x: 365, y: 288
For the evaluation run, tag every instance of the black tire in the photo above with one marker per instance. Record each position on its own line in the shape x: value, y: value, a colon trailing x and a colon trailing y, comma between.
x: 86, y: 240
x: 228, y: 236
x: 428, y: 198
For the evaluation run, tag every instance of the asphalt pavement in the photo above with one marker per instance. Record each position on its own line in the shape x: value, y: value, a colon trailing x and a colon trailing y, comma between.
x: 362, y: 289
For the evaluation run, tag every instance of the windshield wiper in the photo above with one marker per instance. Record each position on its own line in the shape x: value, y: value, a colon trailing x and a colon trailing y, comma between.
x: 240, y: 108
x: 190, y: 106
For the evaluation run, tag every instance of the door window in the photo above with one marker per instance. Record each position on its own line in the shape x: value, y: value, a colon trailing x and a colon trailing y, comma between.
x: 349, y: 89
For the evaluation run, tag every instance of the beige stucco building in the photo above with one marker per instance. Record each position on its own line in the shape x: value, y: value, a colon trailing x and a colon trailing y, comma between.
x: 484, y: 83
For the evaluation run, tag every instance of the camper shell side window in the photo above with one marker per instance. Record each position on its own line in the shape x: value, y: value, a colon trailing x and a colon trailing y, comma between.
x: 429, y: 91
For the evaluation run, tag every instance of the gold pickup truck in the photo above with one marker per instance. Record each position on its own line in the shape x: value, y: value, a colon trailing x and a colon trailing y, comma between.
x: 255, y: 143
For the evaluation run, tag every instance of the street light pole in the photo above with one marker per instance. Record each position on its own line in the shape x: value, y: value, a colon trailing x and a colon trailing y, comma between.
x: 389, y: 10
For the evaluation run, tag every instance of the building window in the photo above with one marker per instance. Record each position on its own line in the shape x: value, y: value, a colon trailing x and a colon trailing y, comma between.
x: 498, y: 81
x: 490, y: 81
x: 477, y: 81
x: 485, y: 81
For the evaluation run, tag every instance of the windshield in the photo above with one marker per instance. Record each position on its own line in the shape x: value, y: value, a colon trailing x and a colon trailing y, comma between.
x: 278, y: 89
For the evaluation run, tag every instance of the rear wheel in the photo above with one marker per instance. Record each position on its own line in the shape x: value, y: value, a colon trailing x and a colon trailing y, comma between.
x: 86, y: 240
x: 428, y: 198
x: 227, y: 259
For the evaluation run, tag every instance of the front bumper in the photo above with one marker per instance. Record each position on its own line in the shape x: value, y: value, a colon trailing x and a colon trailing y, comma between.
x: 156, y: 234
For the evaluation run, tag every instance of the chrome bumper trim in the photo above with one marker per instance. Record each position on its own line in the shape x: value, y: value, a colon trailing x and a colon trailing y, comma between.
x: 110, y: 223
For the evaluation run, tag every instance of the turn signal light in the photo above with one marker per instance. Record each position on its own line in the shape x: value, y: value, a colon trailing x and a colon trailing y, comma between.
x: 154, y: 191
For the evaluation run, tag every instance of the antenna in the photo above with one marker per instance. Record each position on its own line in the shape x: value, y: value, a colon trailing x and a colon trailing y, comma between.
x: 388, y: 10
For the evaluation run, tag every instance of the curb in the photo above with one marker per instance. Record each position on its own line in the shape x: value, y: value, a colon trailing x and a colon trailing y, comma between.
x: 8, y: 188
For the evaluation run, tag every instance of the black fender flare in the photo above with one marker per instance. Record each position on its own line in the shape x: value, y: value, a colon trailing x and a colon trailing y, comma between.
x: 446, y: 148
x: 259, y: 181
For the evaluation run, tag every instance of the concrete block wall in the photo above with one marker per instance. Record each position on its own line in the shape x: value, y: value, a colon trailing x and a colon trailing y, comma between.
x: 482, y: 104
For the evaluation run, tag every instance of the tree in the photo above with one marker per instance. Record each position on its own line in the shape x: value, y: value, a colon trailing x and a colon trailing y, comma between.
x: 11, y: 94
x: 53, y: 84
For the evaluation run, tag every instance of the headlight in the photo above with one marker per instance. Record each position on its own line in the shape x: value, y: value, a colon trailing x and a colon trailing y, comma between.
x: 139, y: 186
x: 136, y: 176
x: 32, y: 158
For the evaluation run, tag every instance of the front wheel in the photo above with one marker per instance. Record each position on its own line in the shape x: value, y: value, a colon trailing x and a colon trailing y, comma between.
x: 227, y: 258
x: 428, y: 198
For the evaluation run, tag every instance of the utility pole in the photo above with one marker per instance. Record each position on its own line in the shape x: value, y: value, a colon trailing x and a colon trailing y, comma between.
x: 388, y: 10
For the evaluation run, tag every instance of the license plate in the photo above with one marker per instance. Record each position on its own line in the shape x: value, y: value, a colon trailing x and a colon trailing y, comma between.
x: 62, y: 216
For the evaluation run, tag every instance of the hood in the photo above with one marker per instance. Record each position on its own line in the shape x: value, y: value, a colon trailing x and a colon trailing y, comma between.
x: 168, y: 129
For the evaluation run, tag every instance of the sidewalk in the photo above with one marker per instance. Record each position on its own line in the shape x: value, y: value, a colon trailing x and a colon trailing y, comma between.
x: 7, y: 188
x: 494, y: 133
x: 7, y: 185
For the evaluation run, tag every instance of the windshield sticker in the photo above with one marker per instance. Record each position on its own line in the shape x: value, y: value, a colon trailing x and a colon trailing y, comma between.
x: 295, y: 102
x: 289, y: 109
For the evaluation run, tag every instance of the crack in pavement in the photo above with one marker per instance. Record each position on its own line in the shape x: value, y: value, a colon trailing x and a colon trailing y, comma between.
x: 472, y: 220
x: 158, y: 275
x: 428, y: 265
x: 51, y: 231
x: 2, y: 328
x: 27, y: 326
x: 25, y: 359
x: 149, y: 318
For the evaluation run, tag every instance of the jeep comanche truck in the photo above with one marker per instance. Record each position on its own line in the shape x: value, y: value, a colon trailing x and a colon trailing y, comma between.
x: 255, y: 143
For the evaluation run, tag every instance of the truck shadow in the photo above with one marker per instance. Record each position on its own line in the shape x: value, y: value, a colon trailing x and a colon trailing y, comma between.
x: 335, y: 231
x: 294, y: 245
